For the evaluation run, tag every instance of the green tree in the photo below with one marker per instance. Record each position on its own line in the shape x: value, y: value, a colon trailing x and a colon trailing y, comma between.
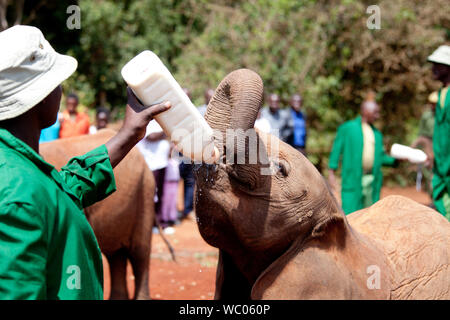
x: 320, y: 48
x: 113, y: 32
x: 324, y: 50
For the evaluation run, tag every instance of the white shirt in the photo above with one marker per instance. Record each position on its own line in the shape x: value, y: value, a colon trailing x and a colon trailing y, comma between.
x: 156, y: 153
x: 368, y: 154
x: 263, y: 125
x: 93, y: 129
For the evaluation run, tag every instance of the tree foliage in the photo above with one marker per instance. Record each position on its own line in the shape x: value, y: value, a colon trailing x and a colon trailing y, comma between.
x: 114, y: 31
x: 322, y: 49
x: 325, y: 51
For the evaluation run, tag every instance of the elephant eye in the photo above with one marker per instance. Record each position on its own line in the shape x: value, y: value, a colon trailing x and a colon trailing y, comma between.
x: 283, y: 167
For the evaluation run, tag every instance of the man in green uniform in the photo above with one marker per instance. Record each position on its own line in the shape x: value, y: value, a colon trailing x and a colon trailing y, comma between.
x: 441, y: 136
x: 360, y: 145
x: 47, y: 247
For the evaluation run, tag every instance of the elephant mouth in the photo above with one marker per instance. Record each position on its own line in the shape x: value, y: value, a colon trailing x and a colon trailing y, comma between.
x: 210, y: 176
x: 205, y: 169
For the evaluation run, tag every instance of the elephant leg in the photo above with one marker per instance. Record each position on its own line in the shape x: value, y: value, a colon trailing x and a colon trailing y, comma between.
x: 140, y: 260
x: 118, y: 266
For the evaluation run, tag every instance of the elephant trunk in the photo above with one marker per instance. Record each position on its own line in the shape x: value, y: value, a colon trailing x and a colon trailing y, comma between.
x: 235, y: 105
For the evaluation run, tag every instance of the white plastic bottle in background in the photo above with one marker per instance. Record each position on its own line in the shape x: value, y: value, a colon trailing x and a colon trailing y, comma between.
x: 400, y: 151
x: 153, y: 83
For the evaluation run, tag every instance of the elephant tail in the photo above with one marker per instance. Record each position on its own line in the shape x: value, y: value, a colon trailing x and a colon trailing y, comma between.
x: 169, y: 246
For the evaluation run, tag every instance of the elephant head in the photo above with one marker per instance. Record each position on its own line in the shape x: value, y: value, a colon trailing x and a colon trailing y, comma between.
x: 262, y: 196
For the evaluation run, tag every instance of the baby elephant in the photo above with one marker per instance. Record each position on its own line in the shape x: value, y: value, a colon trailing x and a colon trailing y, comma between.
x: 281, y: 233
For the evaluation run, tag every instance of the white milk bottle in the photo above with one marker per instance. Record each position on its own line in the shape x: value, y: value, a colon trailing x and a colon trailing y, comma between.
x: 153, y: 83
x: 400, y: 151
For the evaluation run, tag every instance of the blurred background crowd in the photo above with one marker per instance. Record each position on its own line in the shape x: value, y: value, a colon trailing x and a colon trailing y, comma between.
x: 318, y: 60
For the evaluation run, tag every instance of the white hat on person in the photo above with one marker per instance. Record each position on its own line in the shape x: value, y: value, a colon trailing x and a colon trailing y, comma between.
x: 441, y: 55
x: 30, y: 69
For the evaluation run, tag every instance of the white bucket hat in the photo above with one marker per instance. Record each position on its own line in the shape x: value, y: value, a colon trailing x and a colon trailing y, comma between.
x: 30, y: 69
x: 441, y: 55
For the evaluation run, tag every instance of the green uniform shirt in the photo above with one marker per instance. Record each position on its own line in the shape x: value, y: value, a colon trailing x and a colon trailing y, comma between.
x: 348, y: 144
x: 47, y: 247
x: 441, y: 149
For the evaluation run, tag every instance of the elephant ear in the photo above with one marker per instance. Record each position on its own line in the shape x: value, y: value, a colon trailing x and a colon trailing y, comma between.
x: 330, y: 222
x: 236, y: 103
x: 329, y: 217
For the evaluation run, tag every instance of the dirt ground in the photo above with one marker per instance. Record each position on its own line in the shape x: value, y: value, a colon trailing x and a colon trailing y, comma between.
x: 192, y: 277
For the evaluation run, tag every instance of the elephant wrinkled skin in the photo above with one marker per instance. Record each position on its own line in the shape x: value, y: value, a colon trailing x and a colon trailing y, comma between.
x: 284, y: 236
x: 123, y: 221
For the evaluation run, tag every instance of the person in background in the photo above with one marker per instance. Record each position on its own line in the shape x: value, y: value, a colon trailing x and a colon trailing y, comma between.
x: 51, y: 133
x: 48, y: 249
x: 101, y: 120
x: 440, y: 59
x: 297, y: 123
x: 186, y: 168
x: 169, y: 213
x: 278, y: 119
x: 208, y: 95
x: 262, y: 124
x: 155, y: 148
x: 360, y: 145
x: 74, y: 123
x: 425, y: 138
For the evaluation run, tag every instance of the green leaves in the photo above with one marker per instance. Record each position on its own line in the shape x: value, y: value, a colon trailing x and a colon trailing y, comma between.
x: 324, y: 50
x: 319, y: 48
x: 113, y: 32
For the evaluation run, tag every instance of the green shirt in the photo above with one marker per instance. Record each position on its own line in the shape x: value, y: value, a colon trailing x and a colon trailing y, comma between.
x: 441, y: 149
x: 47, y: 247
x: 348, y: 145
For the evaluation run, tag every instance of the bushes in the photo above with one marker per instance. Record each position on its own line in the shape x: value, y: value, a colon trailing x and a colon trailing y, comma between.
x: 324, y: 50
x: 320, y: 48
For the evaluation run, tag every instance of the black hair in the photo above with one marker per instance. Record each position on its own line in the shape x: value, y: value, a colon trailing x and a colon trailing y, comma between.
x: 74, y: 96
x: 102, y: 110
